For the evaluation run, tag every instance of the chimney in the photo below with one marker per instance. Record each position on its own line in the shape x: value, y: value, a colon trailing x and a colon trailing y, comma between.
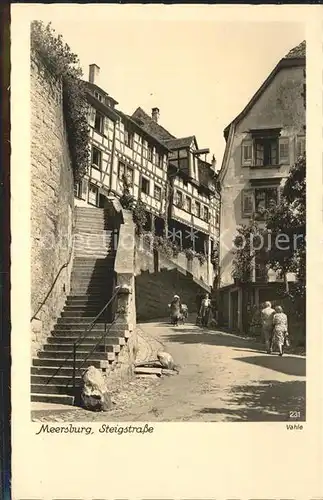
x: 94, y: 72
x: 213, y: 163
x: 155, y: 114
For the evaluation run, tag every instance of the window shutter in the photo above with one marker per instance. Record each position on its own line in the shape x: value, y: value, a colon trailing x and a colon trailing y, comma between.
x: 83, y: 189
x: 106, y: 126
x: 247, y: 202
x: 92, y: 116
x: 284, y: 150
x: 246, y: 152
x: 300, y: 146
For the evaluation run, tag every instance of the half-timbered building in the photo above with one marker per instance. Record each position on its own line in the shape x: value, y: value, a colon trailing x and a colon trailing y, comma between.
x: 168, y: 174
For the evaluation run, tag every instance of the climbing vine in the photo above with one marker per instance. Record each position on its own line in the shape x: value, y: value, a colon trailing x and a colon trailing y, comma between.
x: 138, y: 209
x: 63, y: 65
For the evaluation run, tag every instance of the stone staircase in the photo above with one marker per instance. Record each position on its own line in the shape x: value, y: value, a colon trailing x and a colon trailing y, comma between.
x: 92, y: 285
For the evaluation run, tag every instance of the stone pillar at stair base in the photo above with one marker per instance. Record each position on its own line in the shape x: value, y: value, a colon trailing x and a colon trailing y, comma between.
x: 123, y: 370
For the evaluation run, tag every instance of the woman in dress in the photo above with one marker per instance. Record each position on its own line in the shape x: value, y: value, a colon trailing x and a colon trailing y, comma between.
x: 175, y: 310
x: 205, y: 310
x: 280, y: 329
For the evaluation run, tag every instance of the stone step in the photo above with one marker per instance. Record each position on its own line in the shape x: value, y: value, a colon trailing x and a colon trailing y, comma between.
x: 61, y: 362
x: 107, y: 280
x: 60, y: 347
x: 85, y: 303
x: 80, y: 355
x: 81, y: 332
x: 89, y: 340
x: 53, y: 398
x: 56, y: 380
x: 88, y: 290
x: 82, y: 312
x: 48, y: 371
x: 82, y: 359
x: 96, y: 252
x: 81, y: 327
x: 66, y: 390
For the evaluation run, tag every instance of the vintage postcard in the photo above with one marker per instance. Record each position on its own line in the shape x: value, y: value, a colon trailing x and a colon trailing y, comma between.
x: 166, y: 311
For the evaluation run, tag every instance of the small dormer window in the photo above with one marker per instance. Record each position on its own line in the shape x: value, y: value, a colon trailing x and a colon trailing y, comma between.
x: 98, y: 96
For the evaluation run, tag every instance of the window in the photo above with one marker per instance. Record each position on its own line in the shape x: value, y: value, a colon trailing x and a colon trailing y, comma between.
x: 197, y: 209
x: 179, y: 199
x: 80, y: 189
x: 93, y: 195
x: 188, y: 204
x: 96, y: 158
x: 179, y: 158
x: 160, y: 160
x: 246, y: 149
x: 157, y: 192
x: 98, y: 96
x: 128, y: 138
x: 300, y: 146
x: 206, y: 214
x: 150, y: 153
x: 99, y: 122
x: 121, y: 169
x: 144, y: 185
x: 266, y: 152
x: 261, y: 273
x: 124, y: 169
x: 265, y: 198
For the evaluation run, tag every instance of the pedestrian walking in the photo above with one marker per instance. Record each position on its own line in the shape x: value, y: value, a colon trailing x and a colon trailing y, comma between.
x: 267, y: 315
x: 205, y: 310
x: 175, y: 310
x: 280, y: 329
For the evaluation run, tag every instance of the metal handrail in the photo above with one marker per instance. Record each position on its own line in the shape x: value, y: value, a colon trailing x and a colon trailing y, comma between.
x: 89, y: 354
x: 84, y: 334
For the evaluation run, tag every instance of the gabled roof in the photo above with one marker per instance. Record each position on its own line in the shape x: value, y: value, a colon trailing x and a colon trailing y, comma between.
x: 298, y: 51
x: 135, y: 123
x: 183, y: 142
x: 295, y: 57
x: 95, y: 88
x: 150, y: 126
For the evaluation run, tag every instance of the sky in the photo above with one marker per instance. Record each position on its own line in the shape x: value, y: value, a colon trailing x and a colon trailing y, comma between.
x: 200, y: 74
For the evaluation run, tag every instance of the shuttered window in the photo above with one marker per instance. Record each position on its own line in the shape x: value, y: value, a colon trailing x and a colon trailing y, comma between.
x: 284, y: 150
x: 300, y: 146
x: 248, y: 202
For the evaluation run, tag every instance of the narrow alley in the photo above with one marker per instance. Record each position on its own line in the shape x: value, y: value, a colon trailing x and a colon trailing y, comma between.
x: 222, y: 377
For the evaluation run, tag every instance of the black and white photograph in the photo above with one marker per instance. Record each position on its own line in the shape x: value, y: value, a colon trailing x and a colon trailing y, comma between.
x: 168, y: 221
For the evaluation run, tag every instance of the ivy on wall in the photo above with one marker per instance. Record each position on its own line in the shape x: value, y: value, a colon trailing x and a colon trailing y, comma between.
x: 63, y: 65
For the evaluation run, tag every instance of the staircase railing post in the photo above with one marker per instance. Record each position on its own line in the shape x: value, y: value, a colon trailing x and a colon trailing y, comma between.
x: 74, y: 366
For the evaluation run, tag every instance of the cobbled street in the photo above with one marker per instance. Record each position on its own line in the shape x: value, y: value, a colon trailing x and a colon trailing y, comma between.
x: 222, y: 377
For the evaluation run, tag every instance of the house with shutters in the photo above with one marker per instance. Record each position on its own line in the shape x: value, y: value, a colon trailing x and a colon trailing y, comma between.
x: 262, y: 143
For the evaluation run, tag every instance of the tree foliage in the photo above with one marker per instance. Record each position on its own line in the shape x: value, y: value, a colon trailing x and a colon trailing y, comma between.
x: 284, y: 243
x: 64, y: 65
x: 246, y: 243
x: 288, y: 221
